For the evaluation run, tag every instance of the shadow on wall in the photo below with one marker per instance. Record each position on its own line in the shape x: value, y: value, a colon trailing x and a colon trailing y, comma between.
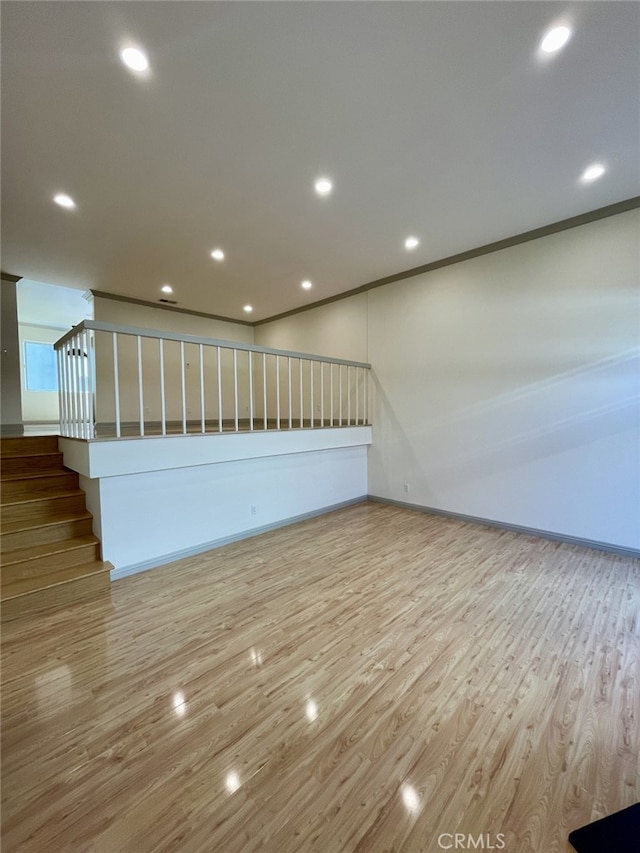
x: 535, y: 421
x: 389, y: 432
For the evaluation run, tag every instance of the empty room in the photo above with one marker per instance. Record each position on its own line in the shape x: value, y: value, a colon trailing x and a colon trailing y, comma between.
x: 320, y: 454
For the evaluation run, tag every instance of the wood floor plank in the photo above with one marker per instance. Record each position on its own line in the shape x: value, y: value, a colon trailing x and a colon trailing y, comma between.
x: 368, y: 680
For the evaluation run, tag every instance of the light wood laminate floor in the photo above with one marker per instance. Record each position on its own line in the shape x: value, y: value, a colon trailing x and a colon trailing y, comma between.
x: 372, y: 680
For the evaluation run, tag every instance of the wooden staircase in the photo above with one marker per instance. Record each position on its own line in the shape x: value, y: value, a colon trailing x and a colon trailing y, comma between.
x: 50, y: 557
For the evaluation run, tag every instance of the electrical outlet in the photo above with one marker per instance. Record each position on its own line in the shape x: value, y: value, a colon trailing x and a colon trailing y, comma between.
x: 254, y: 510
x: 405, y: 487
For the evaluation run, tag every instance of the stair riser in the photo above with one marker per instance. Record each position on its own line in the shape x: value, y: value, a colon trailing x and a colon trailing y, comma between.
x: 43, y: 510
x: 42, y: 535
x: 49, y: 563
x: 57, y: 597
x: 31, y: 464
x: 28, y: 444
x: 53, y: 533
x: 35, y: 486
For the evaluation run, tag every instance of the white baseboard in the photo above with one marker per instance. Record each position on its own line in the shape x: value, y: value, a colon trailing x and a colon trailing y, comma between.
x: 516, y: 528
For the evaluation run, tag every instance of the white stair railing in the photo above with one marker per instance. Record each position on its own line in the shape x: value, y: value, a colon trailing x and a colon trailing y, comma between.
x: 119, y: 381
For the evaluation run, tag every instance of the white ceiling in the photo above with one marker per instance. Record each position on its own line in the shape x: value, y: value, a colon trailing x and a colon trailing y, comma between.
x: 433, y: 119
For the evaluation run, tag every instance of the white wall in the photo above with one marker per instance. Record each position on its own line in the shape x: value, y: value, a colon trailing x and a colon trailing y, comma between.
x: 338, y: 330
x: 505, y: 387
x: 142, y: 316
x: 148, y: 317
x: 11, y: 402
x: 508, y: 385
x: 158, y: 499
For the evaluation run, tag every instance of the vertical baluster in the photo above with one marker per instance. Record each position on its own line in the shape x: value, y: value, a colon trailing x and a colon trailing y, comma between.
x: 331, y: 394
x: 357, y: 395
x: 116, y: 383
x: 91, y: 366
x: 67, y: 370
x: 290, y: 400
x: 235, y: 389
x: 60, y: 392
x: 219, y: 392
x: 311, y: 420
x: 301, y: 397
x: 277, y: 392
x: 202, y: 413
x: 365, y: 402
x: 72, y: 400
x: 250, y: 353
x: 349, y: 395
x: 76, y: 386
x: 63, y: 385
x: 163, y: 402
x: 67, y: 382
x: 264, y: 390
x: 322, y: 393
x: 140, y: 387
x: 81, y: 394
x: 64, y: 402
x: 82, y: 376
x: 184, y: 389
x: 340, y: 376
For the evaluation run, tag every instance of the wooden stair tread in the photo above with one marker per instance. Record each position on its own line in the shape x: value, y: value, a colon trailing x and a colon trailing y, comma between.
x: 43, y: 496
x: 28, y: 453
x: 47, y: 549
x: 23, y: 445
x: 35, y: 475
x: 25, y: 586
x: 28, y: 524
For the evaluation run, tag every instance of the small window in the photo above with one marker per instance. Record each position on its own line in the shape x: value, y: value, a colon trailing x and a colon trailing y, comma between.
x: 40, y: 367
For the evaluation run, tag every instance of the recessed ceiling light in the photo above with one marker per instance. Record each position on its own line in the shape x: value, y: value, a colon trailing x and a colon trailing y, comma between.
x: 166, y: 288
x: 411, y: 243
x: 134, y: 58
x: 306, y: 285
x: 64, y: 200
x: 556, y: 38
x: 592, y: 173
x: 323, y: 186
x: 248, y: 308
x: 217, y: 255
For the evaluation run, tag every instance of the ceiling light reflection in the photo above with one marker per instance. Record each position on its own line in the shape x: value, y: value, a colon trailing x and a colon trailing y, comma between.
x: 410, y: 798
x: 311, y: 710
x: 217, y: 255
x: 411, y: 243
x: 232, y: 782
x: 256, y: 657
x: 179, y: 703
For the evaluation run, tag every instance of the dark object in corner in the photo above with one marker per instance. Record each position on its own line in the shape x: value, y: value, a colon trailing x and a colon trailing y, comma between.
x: 619, y: 832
